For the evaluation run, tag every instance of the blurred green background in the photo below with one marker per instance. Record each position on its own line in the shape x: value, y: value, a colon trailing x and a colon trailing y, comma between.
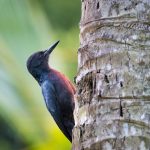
x: 27, y: 26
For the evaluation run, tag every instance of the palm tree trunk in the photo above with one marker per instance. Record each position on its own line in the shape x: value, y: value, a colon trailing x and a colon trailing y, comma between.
x: 113, y: 83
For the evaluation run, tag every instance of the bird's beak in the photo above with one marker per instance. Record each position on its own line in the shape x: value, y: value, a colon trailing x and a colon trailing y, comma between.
x: 49, y: 50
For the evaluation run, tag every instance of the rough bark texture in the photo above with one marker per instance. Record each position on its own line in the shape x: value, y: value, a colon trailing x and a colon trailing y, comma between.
x: 113, y: 97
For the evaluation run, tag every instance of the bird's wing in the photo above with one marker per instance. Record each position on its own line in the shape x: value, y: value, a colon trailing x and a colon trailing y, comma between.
x: 48, y: 91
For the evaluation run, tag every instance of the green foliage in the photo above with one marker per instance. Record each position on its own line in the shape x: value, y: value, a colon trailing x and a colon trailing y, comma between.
x: 27, y: 26
x: 61, y: 14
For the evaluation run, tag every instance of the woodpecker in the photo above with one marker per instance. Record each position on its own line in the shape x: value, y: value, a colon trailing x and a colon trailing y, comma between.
x: 57, y: 90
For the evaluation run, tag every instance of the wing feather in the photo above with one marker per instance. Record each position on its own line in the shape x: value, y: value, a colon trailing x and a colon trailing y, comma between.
x: 53, y: 106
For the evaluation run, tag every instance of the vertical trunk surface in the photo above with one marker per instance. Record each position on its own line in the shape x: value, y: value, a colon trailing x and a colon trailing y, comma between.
x: 113, y: 96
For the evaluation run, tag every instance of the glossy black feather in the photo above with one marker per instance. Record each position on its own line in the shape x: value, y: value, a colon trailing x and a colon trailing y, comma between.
x: 54, y: 107
x: 57, y: 90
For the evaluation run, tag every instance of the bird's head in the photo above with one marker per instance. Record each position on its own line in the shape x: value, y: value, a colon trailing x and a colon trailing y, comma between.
x: 37, y: 63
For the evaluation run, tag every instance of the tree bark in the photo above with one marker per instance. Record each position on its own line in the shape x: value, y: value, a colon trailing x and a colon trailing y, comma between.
x: 112, y: 109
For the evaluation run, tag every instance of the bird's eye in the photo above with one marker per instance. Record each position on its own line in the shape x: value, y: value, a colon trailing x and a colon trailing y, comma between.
x: 37, y: 63
x: 38, y: 59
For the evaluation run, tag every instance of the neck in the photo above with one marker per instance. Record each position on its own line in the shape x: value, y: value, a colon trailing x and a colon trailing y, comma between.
x: 41, y: 76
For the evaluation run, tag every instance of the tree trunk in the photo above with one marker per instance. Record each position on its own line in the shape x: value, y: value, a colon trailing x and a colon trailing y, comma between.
x: 112, y: 109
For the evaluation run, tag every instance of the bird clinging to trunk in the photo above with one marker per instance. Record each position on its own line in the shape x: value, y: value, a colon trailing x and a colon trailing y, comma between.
x: 57, y: 90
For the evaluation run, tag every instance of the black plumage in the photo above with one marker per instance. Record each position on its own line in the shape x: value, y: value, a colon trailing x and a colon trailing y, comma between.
x: 57, y: 90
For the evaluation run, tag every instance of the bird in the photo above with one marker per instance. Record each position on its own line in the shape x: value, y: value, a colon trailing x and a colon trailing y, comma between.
x: 57, y: 90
